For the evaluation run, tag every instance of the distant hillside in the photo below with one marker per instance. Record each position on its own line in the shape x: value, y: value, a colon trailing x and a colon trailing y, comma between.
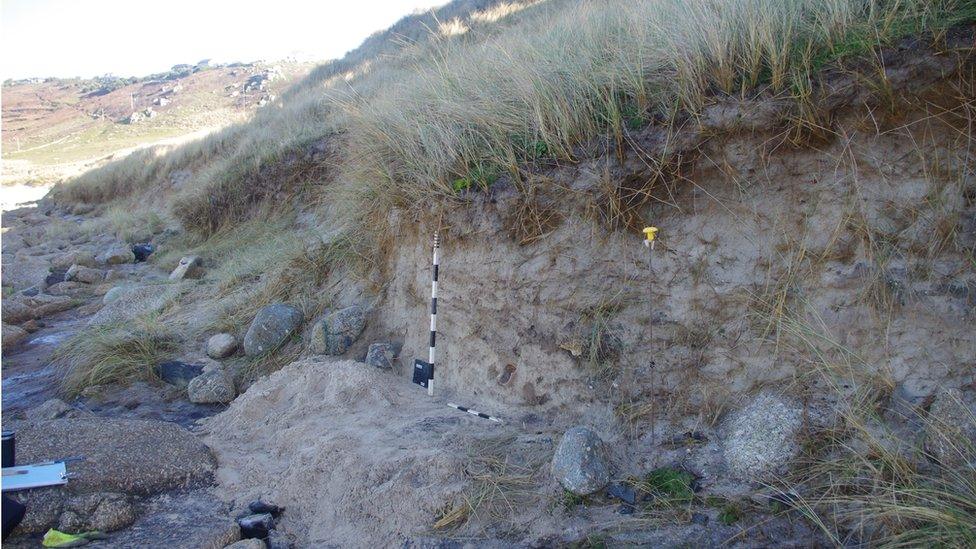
x: 54, y: 127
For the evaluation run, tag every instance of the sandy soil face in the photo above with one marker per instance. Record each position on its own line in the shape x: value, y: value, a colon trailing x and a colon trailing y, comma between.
x: 357, y: 458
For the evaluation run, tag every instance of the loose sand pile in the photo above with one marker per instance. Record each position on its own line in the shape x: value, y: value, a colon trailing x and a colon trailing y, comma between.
x: 358, y: 457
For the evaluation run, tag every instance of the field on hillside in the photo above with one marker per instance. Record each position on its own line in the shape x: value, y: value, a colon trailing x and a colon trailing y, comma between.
x: 56, y: 127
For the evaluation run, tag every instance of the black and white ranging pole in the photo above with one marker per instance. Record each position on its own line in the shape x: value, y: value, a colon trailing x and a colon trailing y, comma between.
x: 475, y: 413
x: 423, y: 372
x: 433, y: 318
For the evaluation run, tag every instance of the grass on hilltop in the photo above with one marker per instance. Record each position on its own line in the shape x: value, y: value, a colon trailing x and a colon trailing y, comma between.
x: 484, y: 93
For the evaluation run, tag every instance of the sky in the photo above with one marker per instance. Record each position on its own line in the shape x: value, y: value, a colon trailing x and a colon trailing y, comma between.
x: 86, y: 38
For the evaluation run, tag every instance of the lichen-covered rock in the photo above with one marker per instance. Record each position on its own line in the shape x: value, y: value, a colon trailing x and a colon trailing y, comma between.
x: 84, y: 258
x: 20, y: 308
x: 102, y: 511
x: 15, y: 310
x: 338, y: 330
x: 270, y: 328
x: 762, y: 437
x: 214, y: 386
x: 122, y: 456
x: 950, y: 429
x: 86, y: 275
x: 12, y: 335
x: 381, y: 355
x: 221, y: 345
x: 117, y: 254
x: 134, y: 302
x: 54, y: 409
x: 580, y: 463
x: 113, y: 294
x: 188, y: 267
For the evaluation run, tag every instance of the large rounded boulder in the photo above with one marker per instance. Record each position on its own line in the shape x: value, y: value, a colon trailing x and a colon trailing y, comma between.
x: 761, y: 438
x: 580, y: 463
x: 270, y: 328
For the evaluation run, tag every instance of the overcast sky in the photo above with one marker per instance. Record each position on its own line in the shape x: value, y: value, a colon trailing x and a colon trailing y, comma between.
x: 137, y: 37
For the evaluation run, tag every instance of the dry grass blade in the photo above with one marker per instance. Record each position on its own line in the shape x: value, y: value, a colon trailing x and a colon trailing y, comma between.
x: 113, y: 354
x: 504, y: 480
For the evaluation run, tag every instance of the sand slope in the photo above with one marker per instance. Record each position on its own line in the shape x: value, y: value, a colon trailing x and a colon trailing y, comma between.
x: 358, y: 457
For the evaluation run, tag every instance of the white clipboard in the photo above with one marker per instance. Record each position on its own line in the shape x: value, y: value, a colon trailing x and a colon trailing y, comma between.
x: 33, y: 476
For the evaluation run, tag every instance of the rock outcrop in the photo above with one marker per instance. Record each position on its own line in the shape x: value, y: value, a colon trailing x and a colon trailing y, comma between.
x: 123, y: 458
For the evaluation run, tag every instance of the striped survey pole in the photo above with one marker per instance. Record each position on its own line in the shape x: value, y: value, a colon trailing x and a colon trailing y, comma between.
x: 423, y: 372
x: 433, y: 317
x: 475, y: 413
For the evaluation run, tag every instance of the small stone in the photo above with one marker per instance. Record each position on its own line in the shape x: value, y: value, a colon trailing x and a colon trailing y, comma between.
x: 380, y: 355
x: 142, y: 251
x: 278, y: 540
x: 178, y: 373
x: 259, y: 507
x: 256, y: 526
x: 762, y: 437
x: 221, y: 345
x: 86, y: 275
x: 580, y: 462
x: 270, y: 328
x: 12, y: 335
x: 31, y: 292
x: 117, y: 254
x: 56, y: 276
x: 32, y: 326
x: 338, y: 330
x: 189, y: 267
x: 215, y: 386
x: 622, y: 492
